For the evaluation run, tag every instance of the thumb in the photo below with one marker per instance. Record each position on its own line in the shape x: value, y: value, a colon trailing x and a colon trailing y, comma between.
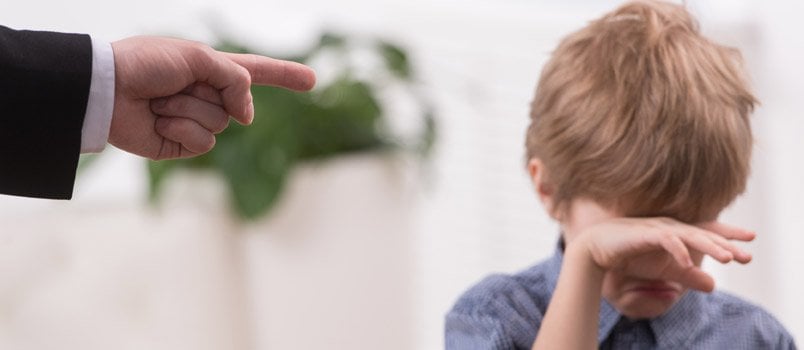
x: 695, y: 278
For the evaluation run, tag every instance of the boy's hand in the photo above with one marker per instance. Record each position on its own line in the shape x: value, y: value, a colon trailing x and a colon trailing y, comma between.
x: 661, y: 248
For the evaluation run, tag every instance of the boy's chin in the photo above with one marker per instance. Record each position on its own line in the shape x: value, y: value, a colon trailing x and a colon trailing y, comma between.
x: 641, y: 307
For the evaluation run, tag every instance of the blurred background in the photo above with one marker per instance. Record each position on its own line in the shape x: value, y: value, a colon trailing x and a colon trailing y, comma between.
x: 363, y: 243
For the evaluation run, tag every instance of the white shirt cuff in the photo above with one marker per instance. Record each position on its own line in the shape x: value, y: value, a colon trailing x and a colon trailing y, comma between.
x: 100, y: 104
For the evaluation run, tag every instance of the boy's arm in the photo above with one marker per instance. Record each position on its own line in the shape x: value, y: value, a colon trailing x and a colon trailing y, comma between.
x: 571, y: 320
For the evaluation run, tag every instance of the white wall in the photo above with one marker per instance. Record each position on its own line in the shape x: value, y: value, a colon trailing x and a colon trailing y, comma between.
x: 479, y: 61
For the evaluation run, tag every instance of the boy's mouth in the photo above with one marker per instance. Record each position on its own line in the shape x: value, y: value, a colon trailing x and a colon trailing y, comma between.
x: 657, y: 289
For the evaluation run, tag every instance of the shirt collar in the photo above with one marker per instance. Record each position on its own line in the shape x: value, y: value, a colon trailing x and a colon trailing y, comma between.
x: 609, y: 316
x: 674, y: 327
x: 671, y: 329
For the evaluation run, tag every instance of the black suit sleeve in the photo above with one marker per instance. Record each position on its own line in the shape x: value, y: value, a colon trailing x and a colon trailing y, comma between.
x: 44, y: 87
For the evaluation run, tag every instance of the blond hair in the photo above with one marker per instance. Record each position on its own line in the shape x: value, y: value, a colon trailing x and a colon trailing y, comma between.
x: 641, y: 113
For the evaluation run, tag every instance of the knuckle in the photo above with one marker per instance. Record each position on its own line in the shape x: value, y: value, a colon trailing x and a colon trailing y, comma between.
x: 244, y: 76
x: 201, y: 54
x: 667, y: 235
x: 201, y: 49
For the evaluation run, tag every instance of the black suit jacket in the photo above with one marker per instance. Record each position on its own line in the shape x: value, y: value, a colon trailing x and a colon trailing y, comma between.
x: 44, y: 86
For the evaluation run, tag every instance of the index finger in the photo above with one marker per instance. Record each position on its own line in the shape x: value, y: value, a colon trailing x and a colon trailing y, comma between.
x: 728, y: 231
x: 270, y: 71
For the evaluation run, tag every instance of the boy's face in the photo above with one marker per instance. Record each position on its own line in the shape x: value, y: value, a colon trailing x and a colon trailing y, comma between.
x: 634, y: 297
x: 639, y: 298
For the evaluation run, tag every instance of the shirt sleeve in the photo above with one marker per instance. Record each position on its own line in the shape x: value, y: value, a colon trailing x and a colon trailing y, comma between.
x: 784, y: 340
x: 100, y: 105
x: 788, y: 344
x: 467, y: 332
x: 496, y: 314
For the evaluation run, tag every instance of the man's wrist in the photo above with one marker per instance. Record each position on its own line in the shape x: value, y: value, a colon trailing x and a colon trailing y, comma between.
x: 100, y: 104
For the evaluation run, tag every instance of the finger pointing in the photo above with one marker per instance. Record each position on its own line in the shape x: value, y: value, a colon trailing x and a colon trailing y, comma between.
x: 274, y: 72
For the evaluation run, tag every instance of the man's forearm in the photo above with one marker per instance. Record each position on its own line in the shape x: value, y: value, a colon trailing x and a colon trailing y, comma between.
x: 45, y: 80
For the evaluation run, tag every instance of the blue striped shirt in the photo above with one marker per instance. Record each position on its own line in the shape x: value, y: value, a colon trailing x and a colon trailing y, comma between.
x: 505, y: 312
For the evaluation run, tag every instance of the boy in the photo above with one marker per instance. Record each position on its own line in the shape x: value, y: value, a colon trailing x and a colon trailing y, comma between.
x: 639, y: 137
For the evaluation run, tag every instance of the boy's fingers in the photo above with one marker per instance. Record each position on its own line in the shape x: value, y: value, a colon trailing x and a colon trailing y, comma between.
x: 728, y: 231
x: 739, y: 254
x: 722, y: 233
x: 695, y: 278
x: 677, y: 249
x: 701, y: 242
x: 743, y: 258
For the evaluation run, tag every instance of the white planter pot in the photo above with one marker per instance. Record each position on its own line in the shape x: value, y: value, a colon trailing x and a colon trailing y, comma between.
x: 331, y: 267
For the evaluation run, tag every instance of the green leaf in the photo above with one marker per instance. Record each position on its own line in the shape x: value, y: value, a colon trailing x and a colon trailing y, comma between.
x: 331, y: 40
x: 344, y: 117
x: 231, y: 46
x: 157, y: 173
x: 396, y: 60
x: 255, y: 160
x: 255, y: 173
x: 429, y: 134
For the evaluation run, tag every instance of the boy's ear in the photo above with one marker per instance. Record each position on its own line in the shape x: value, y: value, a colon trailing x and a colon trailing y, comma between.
x: 543, y: 190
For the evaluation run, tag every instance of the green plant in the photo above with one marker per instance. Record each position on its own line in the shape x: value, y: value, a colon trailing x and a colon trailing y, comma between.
x: 340, y: 116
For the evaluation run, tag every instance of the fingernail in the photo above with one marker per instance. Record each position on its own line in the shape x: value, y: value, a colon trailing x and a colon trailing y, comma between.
x: 249, y: 113
x: 310, y: 83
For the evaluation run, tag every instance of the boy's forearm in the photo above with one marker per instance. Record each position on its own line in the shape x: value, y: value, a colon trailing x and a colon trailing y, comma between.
x: 571, y: 320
